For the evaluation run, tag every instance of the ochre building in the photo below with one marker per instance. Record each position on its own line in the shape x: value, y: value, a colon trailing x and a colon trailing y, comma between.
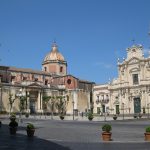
x: 52, y: 80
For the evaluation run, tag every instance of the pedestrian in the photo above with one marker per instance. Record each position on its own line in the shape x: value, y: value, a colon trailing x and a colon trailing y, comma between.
x: 82, y: 114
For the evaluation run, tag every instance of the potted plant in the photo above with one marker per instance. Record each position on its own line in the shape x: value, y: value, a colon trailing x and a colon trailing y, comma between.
x: 135, y: 116
x: 106, y: 134
x: 13, y: 124
x: 27, y: 115
x: 140, y: 115
x: 12, y: 117
x: 30, y: 130
x: 90, y: 116
x: 115, y: 117
x: 147, y: 133
x: 62, y: 117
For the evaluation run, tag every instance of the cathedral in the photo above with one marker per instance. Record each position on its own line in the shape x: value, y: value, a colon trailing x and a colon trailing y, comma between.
x: 129, y: 93
x: 52, y: 80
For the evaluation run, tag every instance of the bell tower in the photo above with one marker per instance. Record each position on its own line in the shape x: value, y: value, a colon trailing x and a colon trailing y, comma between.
x: 54, y: 62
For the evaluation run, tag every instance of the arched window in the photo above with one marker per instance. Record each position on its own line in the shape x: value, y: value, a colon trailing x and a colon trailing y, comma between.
x: 69, y: 81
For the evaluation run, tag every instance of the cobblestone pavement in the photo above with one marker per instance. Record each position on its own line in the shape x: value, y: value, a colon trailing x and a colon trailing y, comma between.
x: 74, y: 135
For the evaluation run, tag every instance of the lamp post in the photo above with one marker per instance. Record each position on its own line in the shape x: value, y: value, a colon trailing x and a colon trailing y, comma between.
x: 123, y: 110
x: 73, y: 109
x: 21, y: 95
x: 148, y: 109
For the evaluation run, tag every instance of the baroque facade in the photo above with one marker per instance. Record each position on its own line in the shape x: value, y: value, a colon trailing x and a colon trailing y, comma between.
x: 130, y: 92
x: 53, y: 80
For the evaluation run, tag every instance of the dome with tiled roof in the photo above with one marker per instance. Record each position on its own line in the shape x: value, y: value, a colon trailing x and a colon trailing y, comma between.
x: 54, y: 54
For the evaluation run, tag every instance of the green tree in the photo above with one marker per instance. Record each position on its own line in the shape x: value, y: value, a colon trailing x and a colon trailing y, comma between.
x: 22, y: 103
x: 61, y: 104
x: 45, y: 101
x: 52, y: 105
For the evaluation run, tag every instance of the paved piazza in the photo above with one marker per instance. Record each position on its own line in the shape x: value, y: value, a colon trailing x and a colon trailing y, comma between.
x: 75, y: 135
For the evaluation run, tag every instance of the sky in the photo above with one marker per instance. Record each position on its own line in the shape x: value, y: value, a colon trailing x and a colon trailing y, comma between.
x: 90, y: 34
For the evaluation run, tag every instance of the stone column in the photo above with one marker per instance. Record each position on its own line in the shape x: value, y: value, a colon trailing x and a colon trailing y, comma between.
x: 39, y: 103
x: 28, y: 102
x: 75, y: 99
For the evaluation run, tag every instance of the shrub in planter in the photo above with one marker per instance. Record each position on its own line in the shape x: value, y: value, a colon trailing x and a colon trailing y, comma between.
x: 26, y: 115
x: 62, y: 117
x: 106, y: 134
x: 30, y: 130
x: 147, y: 133
x: 13, y: 127
x: 135, y: 116
x: 140, y: 115
x: 90, y: 116
x: 115, y: 117
x: 12, y: 117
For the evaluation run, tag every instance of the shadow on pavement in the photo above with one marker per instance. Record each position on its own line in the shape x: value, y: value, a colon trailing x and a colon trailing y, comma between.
x: 22, y: 142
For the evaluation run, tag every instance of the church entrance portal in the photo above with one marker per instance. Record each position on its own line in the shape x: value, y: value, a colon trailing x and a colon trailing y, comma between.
x: 32, y: 101
x: 32, y: 106
x: 137, y: 105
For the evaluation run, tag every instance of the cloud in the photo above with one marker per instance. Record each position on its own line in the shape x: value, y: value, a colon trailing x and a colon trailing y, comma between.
x: 105, y: 65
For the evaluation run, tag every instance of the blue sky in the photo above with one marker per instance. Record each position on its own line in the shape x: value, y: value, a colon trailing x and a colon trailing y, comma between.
x: 91, y: 34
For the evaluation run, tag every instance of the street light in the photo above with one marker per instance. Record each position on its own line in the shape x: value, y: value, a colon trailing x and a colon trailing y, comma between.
x: 123, y: 110
x: 21, y: 95
x: 148, y: 108
x: 73, y: 109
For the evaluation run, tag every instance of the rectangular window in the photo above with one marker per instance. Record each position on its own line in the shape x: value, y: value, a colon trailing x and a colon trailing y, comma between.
x: 35, y: 79
x: 46, y: 82
x: 61, y: 69
x: 135, y: 79
x: 24, y: 78
x: 98, y: 110
x: 12, y: 78
x: 45, y: 69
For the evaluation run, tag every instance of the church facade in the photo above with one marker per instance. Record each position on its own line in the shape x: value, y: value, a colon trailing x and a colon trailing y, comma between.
x: 52, y: 80
x: 129, y: 93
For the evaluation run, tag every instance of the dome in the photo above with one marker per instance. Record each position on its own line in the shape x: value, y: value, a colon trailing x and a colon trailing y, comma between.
x: 54, y: 54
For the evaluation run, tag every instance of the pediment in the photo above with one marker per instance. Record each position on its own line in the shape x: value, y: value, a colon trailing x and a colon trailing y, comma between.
x: 135, y: 69
x: 133, y: 61
x: 36, y: 85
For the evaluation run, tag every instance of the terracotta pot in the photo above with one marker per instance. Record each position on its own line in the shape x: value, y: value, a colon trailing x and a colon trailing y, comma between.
x: 106, y: 136
x: 30, y: 132
x: 147, y: 136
